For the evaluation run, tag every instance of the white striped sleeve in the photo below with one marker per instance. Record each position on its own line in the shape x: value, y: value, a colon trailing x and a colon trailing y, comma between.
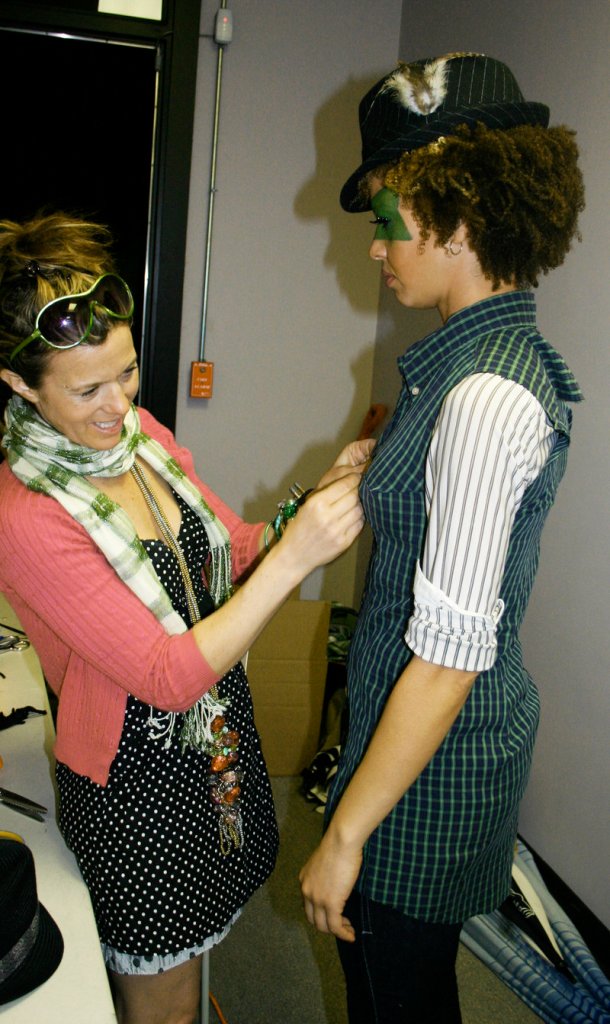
x: 490, y: 441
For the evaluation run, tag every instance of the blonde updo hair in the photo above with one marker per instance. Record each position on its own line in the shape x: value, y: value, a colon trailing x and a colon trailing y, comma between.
x: 41, y: 260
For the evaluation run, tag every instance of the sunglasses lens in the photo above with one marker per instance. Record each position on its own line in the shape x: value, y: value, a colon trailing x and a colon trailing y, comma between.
x: 113, y: 294
x: 65, y: 322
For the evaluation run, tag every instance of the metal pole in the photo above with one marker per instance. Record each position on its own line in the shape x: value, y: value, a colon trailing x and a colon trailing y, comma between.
x: 208, y: 247
x: 204, y: 1015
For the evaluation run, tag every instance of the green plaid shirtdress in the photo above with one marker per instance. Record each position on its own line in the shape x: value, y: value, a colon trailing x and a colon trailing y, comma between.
x: 444, y: 852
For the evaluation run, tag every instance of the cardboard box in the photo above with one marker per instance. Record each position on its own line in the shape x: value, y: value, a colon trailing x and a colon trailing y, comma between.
x: 287, y: 673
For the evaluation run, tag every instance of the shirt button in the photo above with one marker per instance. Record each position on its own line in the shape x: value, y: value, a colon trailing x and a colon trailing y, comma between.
x: 415, y: 390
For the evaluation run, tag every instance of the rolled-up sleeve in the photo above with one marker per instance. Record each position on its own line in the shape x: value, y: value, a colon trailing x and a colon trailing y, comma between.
x: 490, y: 441
x: 441, y: 632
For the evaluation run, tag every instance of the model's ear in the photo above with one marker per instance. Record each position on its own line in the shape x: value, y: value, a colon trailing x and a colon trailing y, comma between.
x: 18, y: 385
x: 460, y: 235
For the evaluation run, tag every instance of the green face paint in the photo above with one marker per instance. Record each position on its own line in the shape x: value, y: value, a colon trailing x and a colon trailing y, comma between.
x: 389, y: 223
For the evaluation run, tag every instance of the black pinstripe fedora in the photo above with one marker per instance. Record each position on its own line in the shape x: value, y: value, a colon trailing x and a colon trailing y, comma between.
x: 419, y: 102
x: 31, y: 945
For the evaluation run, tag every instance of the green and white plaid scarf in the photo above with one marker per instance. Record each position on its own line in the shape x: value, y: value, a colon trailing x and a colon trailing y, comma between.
x: 47, y: 462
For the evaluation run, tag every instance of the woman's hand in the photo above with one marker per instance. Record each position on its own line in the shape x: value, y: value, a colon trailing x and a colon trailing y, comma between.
x: 355, y: 457
x: 332, y: 517
x: 356, y: 453
x: 326, y: 882
x: 325, y: 525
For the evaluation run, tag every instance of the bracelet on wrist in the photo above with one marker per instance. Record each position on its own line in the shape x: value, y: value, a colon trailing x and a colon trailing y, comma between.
x: 287, y: 510
x: 268, y: 529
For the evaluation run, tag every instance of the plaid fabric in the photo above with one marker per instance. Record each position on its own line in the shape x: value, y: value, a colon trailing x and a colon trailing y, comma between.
x: 445, y: 851
x: 47, y: 462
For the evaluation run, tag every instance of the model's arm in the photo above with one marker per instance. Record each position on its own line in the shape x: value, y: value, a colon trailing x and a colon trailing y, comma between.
x: 418, y: 715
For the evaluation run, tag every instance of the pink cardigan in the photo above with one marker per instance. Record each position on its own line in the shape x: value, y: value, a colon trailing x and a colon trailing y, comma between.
x: 96, y: 641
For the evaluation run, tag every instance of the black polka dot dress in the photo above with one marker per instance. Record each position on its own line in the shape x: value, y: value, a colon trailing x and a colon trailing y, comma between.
x: 148, y: 842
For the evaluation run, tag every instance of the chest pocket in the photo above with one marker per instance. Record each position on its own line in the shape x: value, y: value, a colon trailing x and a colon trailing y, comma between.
x: 392, y: 491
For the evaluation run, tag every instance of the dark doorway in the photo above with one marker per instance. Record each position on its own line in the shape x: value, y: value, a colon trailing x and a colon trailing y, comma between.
x: 97, y: 114
x: 80, y: 139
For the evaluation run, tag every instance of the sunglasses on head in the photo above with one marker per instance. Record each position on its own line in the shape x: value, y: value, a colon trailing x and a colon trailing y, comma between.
x: 68, y: 321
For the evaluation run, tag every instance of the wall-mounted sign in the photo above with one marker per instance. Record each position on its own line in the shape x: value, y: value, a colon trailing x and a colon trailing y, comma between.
x: 152, y: 10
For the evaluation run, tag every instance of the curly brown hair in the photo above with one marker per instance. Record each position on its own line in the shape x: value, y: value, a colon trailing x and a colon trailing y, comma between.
x: 518, y: 192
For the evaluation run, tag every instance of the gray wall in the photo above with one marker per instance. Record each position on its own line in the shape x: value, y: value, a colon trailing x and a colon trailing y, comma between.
x: 302, y: 343
x: 293, y: 301
x: 558, y: 50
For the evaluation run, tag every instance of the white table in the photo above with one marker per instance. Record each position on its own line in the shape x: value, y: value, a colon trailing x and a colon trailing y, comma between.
x: 78, y: 991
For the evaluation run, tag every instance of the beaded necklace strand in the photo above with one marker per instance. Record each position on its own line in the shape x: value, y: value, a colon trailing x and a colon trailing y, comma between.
x: 225, y: 774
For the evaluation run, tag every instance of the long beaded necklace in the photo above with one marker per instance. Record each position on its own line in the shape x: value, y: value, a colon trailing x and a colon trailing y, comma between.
x: 225, y: 774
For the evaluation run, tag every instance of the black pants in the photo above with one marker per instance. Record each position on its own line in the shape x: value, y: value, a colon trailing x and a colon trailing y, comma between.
x: 399, y: 970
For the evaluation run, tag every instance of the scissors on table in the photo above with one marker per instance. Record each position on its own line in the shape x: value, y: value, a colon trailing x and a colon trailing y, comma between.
x: 22, y: 804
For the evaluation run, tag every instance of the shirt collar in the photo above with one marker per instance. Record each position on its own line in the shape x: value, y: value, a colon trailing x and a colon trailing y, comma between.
x: 510, y: 309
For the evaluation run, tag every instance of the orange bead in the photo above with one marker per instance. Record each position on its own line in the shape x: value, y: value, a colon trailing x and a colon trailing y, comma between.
x: 220, y: 762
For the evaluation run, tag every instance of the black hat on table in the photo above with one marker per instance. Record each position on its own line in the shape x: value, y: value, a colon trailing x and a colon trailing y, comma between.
x: 31, y: 945
x: 420, y: 102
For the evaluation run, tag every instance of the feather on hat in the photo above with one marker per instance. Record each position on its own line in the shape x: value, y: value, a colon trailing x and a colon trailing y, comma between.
x: 420, y: 89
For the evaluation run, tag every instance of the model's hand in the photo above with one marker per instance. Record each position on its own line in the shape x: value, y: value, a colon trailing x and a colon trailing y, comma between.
x: 326, y: 882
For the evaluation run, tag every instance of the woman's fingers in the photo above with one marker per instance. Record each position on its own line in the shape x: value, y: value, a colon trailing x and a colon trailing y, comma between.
x: 356, y: 453
x: 326, y: 524
x: 355, y: 457
x: 338, y: 511
x: 339, y: 472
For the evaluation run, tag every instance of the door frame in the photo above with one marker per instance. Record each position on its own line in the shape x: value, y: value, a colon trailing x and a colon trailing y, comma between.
x: 176, y: 40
